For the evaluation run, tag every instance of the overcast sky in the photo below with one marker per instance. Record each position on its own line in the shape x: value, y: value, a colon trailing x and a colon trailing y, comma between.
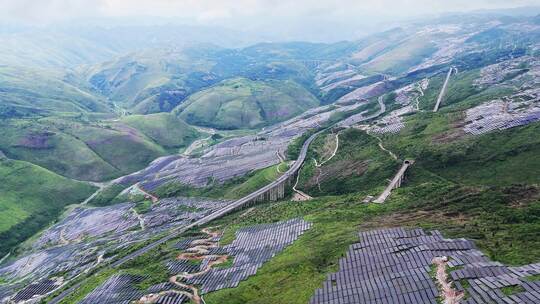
x: 311, y: 16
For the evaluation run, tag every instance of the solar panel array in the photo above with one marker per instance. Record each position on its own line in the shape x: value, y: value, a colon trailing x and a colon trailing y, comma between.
x: 39, y: 288
x: 231, y: 158
x: 393, y: 122
x: 122, y: 289
x: 393, y: 266
x: 110, y: 224
x: 504, y: 114
x: 393, y: 126
x: 252, y: 247
x: 119, y: 289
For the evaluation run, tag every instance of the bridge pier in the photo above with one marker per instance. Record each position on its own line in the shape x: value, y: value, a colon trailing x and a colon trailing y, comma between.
x: 443, y: 90
x: 273, y: 194
x: 395, y: 183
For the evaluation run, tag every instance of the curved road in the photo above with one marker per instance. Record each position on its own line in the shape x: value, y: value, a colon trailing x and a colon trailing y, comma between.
x: 206, y: 219
x: 239, y: 203
x: 229, y: 208
x: 217, y: 214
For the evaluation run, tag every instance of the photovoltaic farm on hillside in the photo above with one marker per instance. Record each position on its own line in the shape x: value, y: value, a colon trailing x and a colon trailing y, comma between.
x: 252, y: 247
x: 395, y: 266
x: 171, y: 164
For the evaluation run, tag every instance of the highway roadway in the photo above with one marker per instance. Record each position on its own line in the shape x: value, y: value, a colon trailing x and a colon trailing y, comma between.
x: 239, y: 203
x: 229, y: 208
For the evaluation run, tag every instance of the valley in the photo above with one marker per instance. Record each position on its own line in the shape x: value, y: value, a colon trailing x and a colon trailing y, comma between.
x: 400, y: 167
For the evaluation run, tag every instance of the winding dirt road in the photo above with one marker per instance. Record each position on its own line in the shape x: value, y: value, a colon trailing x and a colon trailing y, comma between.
x: 332, y: 155
x: 450, y: 295
x: 198, y: 251
x: 152, y: 197
x: 100, y: 186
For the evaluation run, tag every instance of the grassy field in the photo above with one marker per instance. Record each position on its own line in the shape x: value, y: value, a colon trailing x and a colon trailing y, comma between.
x: 359, y: 164
x: 94, y: 149
x: 242, y: 103
x: 164, y: 129
x: 32, y: 197
x: 26, y: 91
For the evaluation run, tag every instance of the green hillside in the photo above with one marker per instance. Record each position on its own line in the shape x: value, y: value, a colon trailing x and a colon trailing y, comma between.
x: 26, y: 91
x: 85, y: 148
x: 242, y: 103
x: 150, y: 81
x: 165, y: 129
x: 401, y: 57
x: 54, y: 148
x: 358, y: 165
x: 31, y: 198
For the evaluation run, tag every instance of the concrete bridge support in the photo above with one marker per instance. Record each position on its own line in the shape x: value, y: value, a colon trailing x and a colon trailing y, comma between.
x: 395, y: 183
x: 275, y: 193
x: 443, y: 90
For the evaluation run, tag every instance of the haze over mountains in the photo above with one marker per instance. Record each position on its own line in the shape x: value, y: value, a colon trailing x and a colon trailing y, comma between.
x: 121, y: 141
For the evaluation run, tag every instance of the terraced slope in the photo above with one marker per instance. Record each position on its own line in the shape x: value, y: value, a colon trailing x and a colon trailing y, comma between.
x: 242, y: 103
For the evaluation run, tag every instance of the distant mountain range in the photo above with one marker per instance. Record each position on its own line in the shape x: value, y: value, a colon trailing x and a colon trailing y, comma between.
x: 83, y: 106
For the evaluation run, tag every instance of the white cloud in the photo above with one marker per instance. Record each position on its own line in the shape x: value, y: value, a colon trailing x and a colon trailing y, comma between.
x: 316, y: 20
x: 226, y: 10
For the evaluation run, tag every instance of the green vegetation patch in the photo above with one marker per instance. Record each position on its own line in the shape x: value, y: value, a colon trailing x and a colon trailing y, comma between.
x: 108, y: 196
x: 358, y: 165
x: 512, y: 290
x: 143, y: 206
x: 32, y: 197
x: 90, y: 283
x: 490, y: 159
x: 164, y: 129
x: 533, y: 278
x: 242, y: 103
